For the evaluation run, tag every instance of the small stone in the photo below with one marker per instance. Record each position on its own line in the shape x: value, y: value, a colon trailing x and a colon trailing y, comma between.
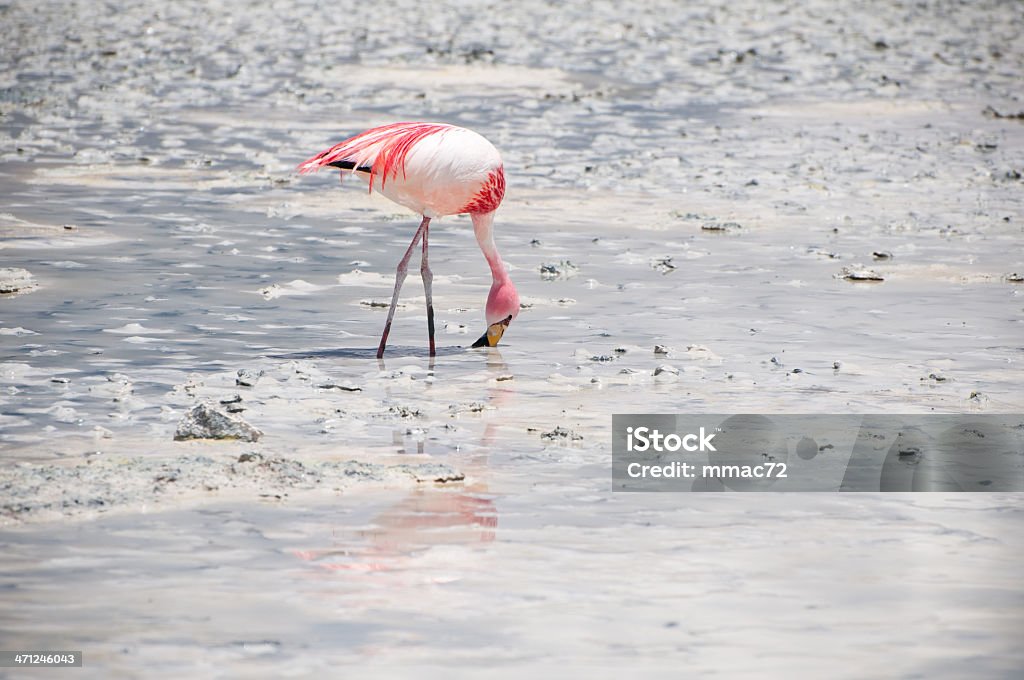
x: 666, y: 368
x: 206, y: 422
x: 662, y: 349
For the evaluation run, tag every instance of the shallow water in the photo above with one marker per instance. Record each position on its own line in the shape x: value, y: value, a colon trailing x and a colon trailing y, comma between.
x: 708, y: 171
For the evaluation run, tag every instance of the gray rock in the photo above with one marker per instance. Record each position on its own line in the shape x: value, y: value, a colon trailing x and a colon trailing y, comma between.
x: 206, y: 422
x: 666, y: 368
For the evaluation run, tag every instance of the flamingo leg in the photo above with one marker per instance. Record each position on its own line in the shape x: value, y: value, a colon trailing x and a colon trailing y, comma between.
x: 428, y: 280
x: 400, y: 272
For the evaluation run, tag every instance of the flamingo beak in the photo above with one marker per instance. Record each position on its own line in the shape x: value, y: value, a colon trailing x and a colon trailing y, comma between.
x: 494, y: 333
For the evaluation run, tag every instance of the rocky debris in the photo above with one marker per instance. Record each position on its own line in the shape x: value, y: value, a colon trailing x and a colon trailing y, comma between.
x: 405, y: 412
x: 248, y: 377
x: 991, y: 112
x: 663, y: 350
x: 859, y: 272
x: 15, y: 280
x: 1014, y: 278
x: 561, y: 434
x: 663, y: 265
x: 344, y: 387
x: 881, y: 255
x: 937, y: 377
x: 206, y: 422
x: 666, y: 369
x: 471, y: 407
x: 381, y: 304
x: 558, y: 270
x: 233, y: 404
x: 721, y: 227
x: 101, y: 484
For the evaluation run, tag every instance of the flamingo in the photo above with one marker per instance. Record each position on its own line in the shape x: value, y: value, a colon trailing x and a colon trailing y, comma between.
x: 434, y: 169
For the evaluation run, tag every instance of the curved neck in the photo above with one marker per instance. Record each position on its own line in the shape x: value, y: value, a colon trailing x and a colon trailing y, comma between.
x: 482, y: 226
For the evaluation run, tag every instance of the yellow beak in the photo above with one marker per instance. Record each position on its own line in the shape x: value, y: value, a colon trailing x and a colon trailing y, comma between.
x: 494, y: 333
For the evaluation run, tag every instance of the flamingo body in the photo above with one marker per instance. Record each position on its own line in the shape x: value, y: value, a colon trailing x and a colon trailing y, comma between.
x: 436, y: 170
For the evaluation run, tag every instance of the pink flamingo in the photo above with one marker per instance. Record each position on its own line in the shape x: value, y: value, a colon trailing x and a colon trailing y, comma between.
x: 435, y: 170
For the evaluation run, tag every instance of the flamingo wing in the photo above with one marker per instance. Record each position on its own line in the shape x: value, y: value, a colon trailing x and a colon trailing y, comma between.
x: 380, y: 151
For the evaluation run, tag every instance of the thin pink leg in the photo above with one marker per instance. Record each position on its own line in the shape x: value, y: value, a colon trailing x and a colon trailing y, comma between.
x: 403, y: 268
x: 428, y: 280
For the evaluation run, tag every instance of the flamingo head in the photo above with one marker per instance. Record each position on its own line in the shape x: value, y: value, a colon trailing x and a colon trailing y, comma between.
x: 502, y: 308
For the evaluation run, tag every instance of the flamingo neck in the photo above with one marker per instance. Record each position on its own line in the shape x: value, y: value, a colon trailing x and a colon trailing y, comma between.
x: 483, y: 227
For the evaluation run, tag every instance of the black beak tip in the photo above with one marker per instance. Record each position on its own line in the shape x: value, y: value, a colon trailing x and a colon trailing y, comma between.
x: 482, y: 342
